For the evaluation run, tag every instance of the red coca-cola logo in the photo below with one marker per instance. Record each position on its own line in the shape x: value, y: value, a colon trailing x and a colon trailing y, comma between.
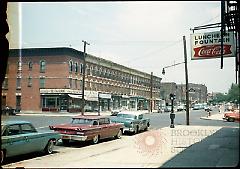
x: 212, y: 51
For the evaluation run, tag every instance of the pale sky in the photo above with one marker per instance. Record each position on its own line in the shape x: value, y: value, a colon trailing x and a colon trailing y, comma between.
x: 146, y: 36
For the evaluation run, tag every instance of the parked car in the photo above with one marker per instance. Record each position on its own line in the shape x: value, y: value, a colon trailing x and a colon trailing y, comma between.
x: 88, y: 128
x: 232, y: 116
x: 133, y: 121
x: 21, y: 137
x: 207, y: 108
x: 115, y: 112
x: 168, y: 109
x: 181, y: 108
x: 8, y: 110
x: 197, y: 107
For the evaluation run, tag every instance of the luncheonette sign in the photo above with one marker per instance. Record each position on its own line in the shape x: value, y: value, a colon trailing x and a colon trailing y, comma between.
x: 208, y: 45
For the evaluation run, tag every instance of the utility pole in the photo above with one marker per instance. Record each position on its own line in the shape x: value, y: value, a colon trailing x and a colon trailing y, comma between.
x: 83, y: 80
x: 186, y: 76
x: 151, y: 87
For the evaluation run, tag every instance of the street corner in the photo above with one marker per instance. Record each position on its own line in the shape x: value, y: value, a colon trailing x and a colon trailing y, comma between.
x: 218, y: 116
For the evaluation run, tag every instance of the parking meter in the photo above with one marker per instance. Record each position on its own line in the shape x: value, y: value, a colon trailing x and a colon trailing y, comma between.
x: 172, y: 115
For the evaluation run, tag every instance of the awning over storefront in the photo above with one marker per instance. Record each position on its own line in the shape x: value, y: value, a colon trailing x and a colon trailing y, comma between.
x: 75, y: 96
x: 89, y: 96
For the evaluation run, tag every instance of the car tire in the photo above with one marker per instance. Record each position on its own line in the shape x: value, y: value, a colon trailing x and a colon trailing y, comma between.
x: 146, y: 129
x: 2, y: 156
x: 95, y: 139
x: 119, y: 134
x: 136, y: 130
x: 65, y: 141
x: 49, y: 147
x: 230, y: 119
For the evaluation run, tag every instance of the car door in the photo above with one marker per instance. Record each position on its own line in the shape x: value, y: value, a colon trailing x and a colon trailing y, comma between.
x: 141, y: 122
x: 34, y: 140
x: 113, y: 128
x: 14, y: 141
x: 105, y: 132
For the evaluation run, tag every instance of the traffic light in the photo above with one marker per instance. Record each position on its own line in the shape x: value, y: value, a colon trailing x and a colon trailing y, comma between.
x: 172, y: 96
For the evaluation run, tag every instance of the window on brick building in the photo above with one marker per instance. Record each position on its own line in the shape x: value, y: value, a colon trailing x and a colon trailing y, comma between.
x: 80, y: 84
x: 76, y: 67
x: 19, y: 65
x: 42, y: 66
x: 70, y: 66
x: 81, y: 68
x: 76, y: 83
x: 29, y: 81
x: 70, y: 82
x: 30, y: 65
x: 42, y: 82
x: 18, y: 83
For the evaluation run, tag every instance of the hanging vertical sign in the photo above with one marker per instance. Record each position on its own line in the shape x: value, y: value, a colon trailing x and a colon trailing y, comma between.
x: 208, y: 45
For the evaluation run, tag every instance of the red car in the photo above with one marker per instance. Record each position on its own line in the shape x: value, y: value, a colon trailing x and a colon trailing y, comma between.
x: 88, y: 128
x: 232, y: 116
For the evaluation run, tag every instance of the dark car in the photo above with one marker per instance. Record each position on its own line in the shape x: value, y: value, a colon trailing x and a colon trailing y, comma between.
x: 115, y: 112
x: 8, y: 110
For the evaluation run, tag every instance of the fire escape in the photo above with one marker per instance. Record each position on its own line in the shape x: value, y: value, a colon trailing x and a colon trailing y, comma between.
x: 230, y: 21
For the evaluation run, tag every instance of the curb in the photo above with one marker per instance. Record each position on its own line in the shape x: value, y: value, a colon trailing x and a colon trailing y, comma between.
x: 206, y: 118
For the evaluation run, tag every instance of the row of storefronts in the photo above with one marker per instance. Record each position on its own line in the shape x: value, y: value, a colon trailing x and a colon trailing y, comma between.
x: 71, y: 100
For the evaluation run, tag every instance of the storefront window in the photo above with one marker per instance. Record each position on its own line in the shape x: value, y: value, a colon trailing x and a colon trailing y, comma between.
x: 50, y: 102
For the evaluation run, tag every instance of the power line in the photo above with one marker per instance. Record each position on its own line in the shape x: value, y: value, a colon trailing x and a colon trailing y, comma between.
x: 150, y: 54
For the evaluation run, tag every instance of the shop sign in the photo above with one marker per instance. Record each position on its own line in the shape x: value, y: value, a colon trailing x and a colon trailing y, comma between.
x: 125, y: 96
x: 91, y: 95
x: 208, y: 45
x: 59, y: 91
x: 105, y: 96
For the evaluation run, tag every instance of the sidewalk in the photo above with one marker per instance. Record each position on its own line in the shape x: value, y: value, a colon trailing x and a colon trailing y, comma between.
x: 67, y: 114
x: 218, y: 116
x: 182, y: 146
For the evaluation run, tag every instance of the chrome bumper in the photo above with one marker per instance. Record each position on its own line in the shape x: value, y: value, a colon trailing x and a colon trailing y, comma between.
x: 73, y: 137
x: 128, y: 129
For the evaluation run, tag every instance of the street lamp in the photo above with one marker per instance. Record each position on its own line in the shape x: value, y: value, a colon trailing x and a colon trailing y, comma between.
x: 172, y: 115
x: 186, y: 78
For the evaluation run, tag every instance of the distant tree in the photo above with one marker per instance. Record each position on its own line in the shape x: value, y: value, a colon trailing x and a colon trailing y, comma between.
x: 219, y: 97
x: 234, y: 94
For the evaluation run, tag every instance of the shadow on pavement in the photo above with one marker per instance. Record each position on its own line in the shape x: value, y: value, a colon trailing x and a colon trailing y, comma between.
x: 221, y: 149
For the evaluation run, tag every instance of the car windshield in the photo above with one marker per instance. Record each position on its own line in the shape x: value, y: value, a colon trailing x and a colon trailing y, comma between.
x: 127, y: 116
x: 82, y: 121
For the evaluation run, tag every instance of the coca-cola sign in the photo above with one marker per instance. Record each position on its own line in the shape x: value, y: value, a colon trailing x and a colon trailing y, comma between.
x: 212, y: 51
x: 208, y: 45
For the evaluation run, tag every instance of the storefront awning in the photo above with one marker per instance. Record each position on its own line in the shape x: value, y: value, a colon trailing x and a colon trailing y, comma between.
x: 86, y: 97
x: 75, y: 96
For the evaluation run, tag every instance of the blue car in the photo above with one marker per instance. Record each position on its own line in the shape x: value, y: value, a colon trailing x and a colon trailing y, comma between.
x: 21, y: 137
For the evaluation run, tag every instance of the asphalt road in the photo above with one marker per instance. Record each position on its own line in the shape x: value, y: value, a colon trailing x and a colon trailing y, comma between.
x: 109, y: 147
x: 158, y: 120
